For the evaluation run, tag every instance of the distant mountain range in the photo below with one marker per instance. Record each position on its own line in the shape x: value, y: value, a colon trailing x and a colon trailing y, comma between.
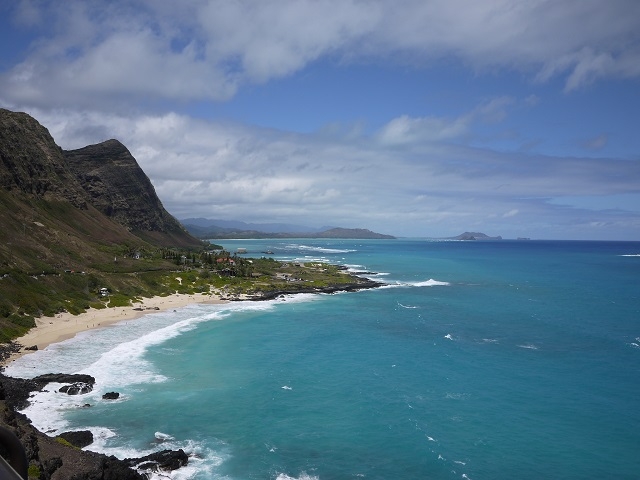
x: 236, y: 225
x: 220, y: 229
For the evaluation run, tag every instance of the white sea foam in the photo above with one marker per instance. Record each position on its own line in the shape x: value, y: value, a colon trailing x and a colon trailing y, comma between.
x: 202, y: 461
x: 427, y: 283
x: 631, y: 255
x: 303, y: 476
x: 163, y: 437
x: 529, y: 346
x: 431, y: 283
x: 312, y: 248
x: 448, y: 336
x: 456, y: 396
x: 406, y: 306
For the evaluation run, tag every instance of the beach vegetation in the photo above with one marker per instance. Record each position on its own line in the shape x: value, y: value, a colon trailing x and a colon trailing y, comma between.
x: 25, y: 295
x: 33, y: 471
x: 64, y: 442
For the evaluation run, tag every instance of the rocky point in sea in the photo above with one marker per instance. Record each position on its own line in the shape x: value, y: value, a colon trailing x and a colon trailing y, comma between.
x: 61, y: 457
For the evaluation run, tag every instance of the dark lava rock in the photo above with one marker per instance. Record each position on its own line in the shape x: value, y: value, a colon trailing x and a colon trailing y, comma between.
x: 111, y: 396
x: 80, y: 438
x: 110, y: 469
x: 164, y: 460
x: 65, y: 378
x: 77, y: 388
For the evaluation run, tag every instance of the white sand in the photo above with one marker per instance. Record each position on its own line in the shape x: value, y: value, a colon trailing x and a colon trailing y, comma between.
x: 50, y: 330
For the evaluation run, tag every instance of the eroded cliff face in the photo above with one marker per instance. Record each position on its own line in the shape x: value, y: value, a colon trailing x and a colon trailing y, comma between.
x: 32, y: 163
x: 119, y: 188
x: 103, y: 177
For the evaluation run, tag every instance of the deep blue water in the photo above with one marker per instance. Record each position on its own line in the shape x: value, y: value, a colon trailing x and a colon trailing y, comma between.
x: 479, y: 360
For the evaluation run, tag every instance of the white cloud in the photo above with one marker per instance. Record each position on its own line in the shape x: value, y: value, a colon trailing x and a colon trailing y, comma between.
x: 225, y: 170
x: 96, y: 52
x: 406, y: 130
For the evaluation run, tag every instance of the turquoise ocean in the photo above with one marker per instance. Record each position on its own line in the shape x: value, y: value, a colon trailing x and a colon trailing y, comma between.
x: 476, y: 360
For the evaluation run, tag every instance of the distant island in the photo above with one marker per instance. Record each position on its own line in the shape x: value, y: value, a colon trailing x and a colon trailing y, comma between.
x: 474, y: 236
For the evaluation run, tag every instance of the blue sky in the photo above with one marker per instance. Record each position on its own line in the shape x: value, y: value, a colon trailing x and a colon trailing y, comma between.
x: 413, y: 118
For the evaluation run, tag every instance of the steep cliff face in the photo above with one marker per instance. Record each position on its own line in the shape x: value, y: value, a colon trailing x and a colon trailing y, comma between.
x: 32, y: 163
x: 117, y: 186
x: 111, y: 198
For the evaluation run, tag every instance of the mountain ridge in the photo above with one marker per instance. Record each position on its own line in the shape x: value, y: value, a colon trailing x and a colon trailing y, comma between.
x: 216, y: 232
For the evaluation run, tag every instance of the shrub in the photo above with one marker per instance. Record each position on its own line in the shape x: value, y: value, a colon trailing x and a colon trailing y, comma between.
x: 33, y: 471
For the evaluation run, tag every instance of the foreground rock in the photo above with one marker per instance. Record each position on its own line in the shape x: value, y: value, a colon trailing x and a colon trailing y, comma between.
x: 78, y: 388
x: 160, y: 461
x: 346, y: 287
x: 80, y: 438
x: 60, y: 458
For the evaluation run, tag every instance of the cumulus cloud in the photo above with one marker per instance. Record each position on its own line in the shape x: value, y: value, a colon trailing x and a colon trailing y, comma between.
x: 96, y: 52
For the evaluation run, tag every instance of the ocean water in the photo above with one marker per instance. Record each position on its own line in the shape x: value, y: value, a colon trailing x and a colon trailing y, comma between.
x: 476, y: 360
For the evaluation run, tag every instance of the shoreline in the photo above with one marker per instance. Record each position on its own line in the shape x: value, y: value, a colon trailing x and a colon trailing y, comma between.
x: 62, y: 326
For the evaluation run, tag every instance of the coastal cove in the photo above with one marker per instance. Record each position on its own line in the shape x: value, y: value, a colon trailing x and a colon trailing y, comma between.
x: 64, y: 325
x: 472, y: 360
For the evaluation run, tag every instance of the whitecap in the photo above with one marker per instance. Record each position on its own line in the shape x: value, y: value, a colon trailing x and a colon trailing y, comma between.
x: 323, y: 249
x: 163, y: 437
x: 427, y: 283
x: 528, y: 346
x: 406, y: 306
x: 303, y: 476
x: 286, y: 387
x: 430, y: 283
x: 456, y: 396
x: 448, y: 336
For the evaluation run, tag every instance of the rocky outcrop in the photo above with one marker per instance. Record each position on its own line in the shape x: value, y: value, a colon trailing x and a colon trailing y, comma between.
x: 65, y: 378
x: 80, y: 438
x: 32, y: 163
x: 111, y: 396
x: 57, y: 460
x: 15, y: 391
x: 77, y: 388
x: 346, y: 287
x: 160, y: 461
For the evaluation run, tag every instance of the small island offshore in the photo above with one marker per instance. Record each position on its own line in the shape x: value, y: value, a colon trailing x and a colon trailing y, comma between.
x: 86, y: 242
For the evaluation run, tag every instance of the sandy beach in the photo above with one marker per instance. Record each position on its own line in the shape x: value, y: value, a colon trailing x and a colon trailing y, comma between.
x: 50, y: 330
